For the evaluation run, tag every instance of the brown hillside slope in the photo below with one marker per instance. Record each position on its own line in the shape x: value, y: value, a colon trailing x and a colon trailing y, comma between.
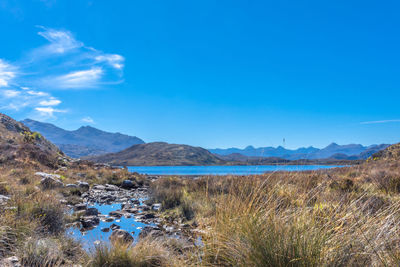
x: 390, y: 153
x: 161, y: 154
x: 18, y: 144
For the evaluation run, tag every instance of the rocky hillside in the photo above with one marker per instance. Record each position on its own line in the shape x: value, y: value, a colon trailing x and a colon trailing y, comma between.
x: 392, y: 153
x: 85, y: 141
x: 160, y: 154
x: 18, y: 144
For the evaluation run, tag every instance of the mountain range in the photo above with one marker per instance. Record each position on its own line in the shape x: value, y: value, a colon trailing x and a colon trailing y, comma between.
x: 85, y: 141
x: 88, y: 141
x: 335, y: 151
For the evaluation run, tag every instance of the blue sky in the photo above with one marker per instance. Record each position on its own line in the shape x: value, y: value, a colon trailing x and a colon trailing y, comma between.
x: 206, y: 73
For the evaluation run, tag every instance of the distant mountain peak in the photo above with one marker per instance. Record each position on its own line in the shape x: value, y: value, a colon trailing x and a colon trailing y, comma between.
x: 333, y: 149
x: 84, y: 141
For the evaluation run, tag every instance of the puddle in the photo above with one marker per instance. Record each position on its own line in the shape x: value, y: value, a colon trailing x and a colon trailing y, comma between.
x: 90, y: 237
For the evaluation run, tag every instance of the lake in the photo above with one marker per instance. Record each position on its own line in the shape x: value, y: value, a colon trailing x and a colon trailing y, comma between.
x: 224, y: 170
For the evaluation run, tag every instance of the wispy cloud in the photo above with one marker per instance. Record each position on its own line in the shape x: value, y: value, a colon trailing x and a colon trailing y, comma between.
x: 87, y: 120
x: 50, y: 102
x: 48, y: 112
x: 79, y: 79
x: 60, y: 41
x: 7, y: 73
x: 379, y: 122
x: 63, y: 62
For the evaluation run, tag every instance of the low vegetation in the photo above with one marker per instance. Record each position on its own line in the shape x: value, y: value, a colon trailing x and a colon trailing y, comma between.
x: 341, y: 217
x: 338, y: 217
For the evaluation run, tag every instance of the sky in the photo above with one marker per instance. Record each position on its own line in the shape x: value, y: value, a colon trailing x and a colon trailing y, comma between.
x: 206, y: 73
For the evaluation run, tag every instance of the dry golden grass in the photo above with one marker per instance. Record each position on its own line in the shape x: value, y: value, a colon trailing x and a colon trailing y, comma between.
x: 342, y: 217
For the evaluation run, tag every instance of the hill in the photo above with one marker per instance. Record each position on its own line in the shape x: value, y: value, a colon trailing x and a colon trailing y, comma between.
x: 160, y: 154
x: 392, y: 153
x: 18, y: 144
x: 85, y: 141
x: 351, y: 151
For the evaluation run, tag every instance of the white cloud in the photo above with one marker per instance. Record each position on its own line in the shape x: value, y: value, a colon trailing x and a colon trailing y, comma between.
x: 7, y: 73
x: 79, y: 79
x: 10, y: 93
x: 18, y: 98
x: 88, y: 120
x: 378, y: 122
x: 48, y: 112
x: 50, y: 102
x: 116, y: 61
x: 36, y: 93
x: 60, y: 41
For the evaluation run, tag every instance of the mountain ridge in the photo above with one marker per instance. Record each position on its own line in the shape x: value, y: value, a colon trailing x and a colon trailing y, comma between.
x: 84, y: 141
x: 160, y: 154
x: 351, y: 150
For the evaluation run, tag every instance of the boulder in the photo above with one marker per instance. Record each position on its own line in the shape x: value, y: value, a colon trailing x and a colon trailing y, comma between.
x: 10, y: 262
x: 150, y: 231
x: 49, y: 180
x: 114, y: 226
x: 91, y: 212
x: 3, y: 199
x: 99, y: 187
x: 116, y: 213
x: 119, y: 235
x: 128, y: 184
x: 72, y: 186
x: 156, y: 207
x: 80, y: 206
x: 90, y: 221
x: 83, y: 186
x: 110, y: 187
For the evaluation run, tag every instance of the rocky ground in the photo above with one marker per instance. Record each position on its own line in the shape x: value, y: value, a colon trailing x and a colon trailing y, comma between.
x: 134, y: 203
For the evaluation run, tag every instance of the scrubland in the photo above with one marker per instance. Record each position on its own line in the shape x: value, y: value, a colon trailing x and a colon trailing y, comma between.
x: 340, y: 217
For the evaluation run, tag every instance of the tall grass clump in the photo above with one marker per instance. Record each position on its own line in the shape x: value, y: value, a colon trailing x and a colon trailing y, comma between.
x: 146, y: 253
x: 287, y: 222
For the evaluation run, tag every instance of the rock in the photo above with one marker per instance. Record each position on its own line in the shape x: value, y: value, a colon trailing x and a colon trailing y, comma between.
x: 91, y: 212
x: 133, y: 210
x: 105, y: 229
x: 156, y: 207
x: 145, y: 208
x: 148, y: 216
x: 119, y: 235
x: 109, y: 219
x: 84, y: 186
x: 72, y: 186
x: 49, y: 180
x: 150, y: 231
x: 135, y: 202
x: 116, y: 213
x: 90, y: 221
x: 99, y: 187
x: 126, y: 206
x: 110, y: 187
x: 10, y: 262
x: 80, y: 206
x: 3, y: 199
x: 128, y: 184
x: 114, y: 226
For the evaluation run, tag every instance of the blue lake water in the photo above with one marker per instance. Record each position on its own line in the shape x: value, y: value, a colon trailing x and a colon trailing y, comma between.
x: 224, y: 170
